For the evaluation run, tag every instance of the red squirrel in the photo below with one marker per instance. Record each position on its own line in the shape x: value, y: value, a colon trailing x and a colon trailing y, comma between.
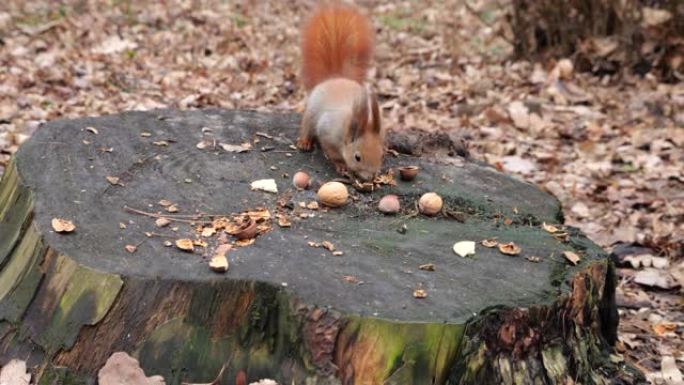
x: 341, y: 113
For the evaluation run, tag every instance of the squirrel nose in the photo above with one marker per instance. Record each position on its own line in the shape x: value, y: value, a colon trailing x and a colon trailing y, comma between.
x: 365, y: 176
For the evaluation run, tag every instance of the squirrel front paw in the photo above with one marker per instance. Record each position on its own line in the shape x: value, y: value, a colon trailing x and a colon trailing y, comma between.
x: 341, y: 169
x: 305, y: 144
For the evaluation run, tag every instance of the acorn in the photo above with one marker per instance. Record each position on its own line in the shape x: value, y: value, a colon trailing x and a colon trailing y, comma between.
x: 430, y: 204
x: 389, y: 204
x: 301, y: 180
x: 408, y: 173
x: 333, y: 194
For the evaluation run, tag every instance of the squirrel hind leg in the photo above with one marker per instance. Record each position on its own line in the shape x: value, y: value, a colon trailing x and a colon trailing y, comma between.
x: 305, y: 142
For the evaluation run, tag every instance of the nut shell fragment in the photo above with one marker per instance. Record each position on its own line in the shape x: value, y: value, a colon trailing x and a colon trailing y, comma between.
x: 63, y: 225
x: 408, y: 173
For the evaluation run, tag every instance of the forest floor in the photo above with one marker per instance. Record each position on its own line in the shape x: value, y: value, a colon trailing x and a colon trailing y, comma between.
x: 611, y: 148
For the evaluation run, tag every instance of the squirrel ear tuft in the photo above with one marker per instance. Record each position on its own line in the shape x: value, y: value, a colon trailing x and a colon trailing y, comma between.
x: 375, y: 112
x: 353, y: 129
x: 359, y: 119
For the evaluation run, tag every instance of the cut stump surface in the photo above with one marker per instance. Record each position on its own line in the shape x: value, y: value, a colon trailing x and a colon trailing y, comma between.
x: 284, y: 309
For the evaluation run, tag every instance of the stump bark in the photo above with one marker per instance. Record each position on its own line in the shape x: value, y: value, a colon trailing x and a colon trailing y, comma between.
x: 285, y: 310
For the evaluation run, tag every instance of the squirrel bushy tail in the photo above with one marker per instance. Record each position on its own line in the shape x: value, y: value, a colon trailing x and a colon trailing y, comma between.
x: 337, y: 41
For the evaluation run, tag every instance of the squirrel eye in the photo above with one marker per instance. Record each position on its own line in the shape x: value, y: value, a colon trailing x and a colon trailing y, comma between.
x: 357, y: 157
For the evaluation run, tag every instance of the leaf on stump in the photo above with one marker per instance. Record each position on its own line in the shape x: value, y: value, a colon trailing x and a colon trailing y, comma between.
x: 113, y: 180
x: 572, y: 257
x: 489, y: 243
x: 509, y: 248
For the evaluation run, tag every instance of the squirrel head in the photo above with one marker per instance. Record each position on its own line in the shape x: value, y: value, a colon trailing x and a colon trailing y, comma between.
x: 364, y: 147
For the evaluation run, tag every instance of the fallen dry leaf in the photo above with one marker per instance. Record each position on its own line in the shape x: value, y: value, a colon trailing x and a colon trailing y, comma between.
x: 655, y: 278
x: 509, y: 248
x: 283, y: 220
x: 663, y: 328
x: 350, y: 279
x: 165, y: 203
x: 208, y: 232
x: 162, y: 222
x: 121, y: 368
x: 172, y: 209
x: 236, y: 148
x: 245, y: 242
x: 328, y: 245
x: 200, y: 243
x: 113, y: 180
x: 563, y: 237
x: 670, y: 371
x: 647, y: 260
x: 338, y: 253
x: 571, y: 257
x: 131, y: 248
x: 14, y: 373
x: 550, y: 228
x: 313, y: 205
x: 114, y: 44
x: 464, y: 248
x: 63, y: 225
x: 420, y: 293
x: 185, y: 244
x: 489, y: 243
x: 264, y: 381
x: 519, y: 114
x: 427, y: 267
x: 259, y: 214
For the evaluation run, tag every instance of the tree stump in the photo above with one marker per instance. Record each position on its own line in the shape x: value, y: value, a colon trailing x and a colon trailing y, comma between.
x: 285, y: 310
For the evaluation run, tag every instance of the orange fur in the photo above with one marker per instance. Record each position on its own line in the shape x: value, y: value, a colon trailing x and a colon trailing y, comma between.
x: 336, y: 41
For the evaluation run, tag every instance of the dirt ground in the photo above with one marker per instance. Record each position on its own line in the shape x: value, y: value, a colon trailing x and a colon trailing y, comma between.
x: 611, y: 148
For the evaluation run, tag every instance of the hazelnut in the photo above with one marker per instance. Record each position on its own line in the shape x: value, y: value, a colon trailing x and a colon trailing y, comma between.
x: 333, y: 194
x: 389, y: 204
x: 430, y: 204
x: 301, y: 180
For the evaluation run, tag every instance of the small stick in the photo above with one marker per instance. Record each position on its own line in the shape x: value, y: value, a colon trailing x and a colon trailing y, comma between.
x: 154, y: 215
